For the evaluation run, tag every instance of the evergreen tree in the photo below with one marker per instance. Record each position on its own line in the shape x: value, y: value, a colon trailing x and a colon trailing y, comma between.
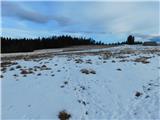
x: 130, y: 40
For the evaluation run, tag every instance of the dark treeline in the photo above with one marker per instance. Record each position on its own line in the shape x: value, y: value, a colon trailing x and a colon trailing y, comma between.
x: 28, y: 44
x: 10, y: 45
x: 130, y: 41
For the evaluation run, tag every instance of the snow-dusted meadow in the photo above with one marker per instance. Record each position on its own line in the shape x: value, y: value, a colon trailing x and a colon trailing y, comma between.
x: 120, y: 83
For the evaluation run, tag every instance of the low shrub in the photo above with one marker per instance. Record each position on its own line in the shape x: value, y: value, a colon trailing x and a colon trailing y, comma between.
x: 63, y: 115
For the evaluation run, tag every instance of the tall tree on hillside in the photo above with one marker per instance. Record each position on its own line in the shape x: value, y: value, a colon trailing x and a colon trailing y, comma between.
x: 130, y: 40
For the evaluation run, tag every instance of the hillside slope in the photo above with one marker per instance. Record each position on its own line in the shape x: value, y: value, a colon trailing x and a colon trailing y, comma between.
x: 116, y: 83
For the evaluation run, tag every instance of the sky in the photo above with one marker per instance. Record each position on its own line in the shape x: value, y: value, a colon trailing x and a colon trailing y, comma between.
x: 105, y: 21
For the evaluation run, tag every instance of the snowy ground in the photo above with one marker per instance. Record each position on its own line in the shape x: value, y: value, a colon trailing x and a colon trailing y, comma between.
x: 120, y: 83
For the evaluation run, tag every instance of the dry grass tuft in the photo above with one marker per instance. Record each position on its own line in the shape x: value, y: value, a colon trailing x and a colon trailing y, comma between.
x: 79, y: 61
x: 8, y: 64
x: 88, y: 71
x: 143, y: 60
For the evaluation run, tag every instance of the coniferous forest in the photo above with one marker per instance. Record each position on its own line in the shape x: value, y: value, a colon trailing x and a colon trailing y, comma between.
x: 10, y: 45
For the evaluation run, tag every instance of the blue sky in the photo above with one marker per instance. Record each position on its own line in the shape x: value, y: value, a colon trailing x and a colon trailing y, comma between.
x: 102, y: 21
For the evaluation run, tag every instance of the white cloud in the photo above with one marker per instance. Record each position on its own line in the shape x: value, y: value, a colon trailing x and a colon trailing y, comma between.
x: 116, y: 16
x: 94, y: 18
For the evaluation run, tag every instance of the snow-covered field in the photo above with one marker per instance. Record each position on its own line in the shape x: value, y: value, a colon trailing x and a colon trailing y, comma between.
x: 119, y: 83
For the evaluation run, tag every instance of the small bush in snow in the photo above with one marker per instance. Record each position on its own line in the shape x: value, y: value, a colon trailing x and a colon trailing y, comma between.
x: 92, y: 71
x: 1, y: 76
x: 23, y: 71
x: 85, y: 71
x: 62, y: 86
x: 86, y: 113
x: 89, y: 61
x: 38, y: 74
x: 63, y: 115
x: 11, y: 68
x: 44, y: 66
x: 119, y: 69
x: 137, y: 94
x: 113, y: 61
x: 15, y: 75
x: 78, y: 60
x: 65, y: 82
x: 124, y: 60
x: 88, y: 71
x: 52, y: 75
x: 18, y: 66
x: 104, y: 61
